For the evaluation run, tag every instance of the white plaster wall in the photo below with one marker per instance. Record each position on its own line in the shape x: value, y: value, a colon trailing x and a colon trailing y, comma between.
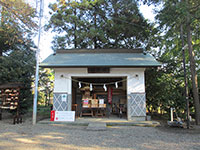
x: 135, y: 76
x: 135, y: 79
x: 62, y: 84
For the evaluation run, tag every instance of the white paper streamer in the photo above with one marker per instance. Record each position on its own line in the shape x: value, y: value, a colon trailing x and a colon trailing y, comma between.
x: 79, y: 85
x: 105, y: 88
x: 90, y: 87
x: 116, y: 85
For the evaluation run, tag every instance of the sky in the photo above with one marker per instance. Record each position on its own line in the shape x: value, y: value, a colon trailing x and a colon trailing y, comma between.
x: 46, y: 37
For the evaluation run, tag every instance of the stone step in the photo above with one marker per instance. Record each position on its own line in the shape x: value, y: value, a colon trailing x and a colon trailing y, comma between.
x: 96, y: 126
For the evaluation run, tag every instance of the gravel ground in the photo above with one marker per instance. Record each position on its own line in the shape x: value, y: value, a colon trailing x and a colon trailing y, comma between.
x: 55, y: 137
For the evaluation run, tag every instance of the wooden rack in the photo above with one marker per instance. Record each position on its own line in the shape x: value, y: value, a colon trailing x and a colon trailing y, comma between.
x: 9, y: 99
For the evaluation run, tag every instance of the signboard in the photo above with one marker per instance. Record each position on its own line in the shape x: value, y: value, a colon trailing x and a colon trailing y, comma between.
x: 64, y: 97
x: 64, y: 116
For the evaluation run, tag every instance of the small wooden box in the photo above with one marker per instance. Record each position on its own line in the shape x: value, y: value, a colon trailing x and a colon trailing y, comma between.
x: 102, y: 105
x: 86, y: 105
x: 94, y: 101
x: 94, y: 105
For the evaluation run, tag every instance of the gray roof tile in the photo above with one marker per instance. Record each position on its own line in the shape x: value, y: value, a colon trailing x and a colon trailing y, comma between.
x: 110, y: 58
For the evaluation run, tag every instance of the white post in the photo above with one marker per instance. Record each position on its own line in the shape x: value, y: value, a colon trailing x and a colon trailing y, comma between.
x: 37, y: 67
x: 172, y: 118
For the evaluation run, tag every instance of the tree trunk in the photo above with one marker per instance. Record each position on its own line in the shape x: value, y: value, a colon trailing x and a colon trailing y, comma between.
x: 95, y: 26
x: 75, y: 32
x: 1, y: 52
x: 45, y: 102
x: 194, y: 75
x: 1, y: 24
x: 185, y: 80
x: 49, y: 98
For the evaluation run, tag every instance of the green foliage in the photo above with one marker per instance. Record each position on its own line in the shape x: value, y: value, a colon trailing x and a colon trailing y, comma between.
x: 16, y: 23
x: 46, y: 86
x: 164, y: 90
x: 43, y: 111
x: 18, y: 66
x: 16, y: 59
x: 165, y: 87
x: 99, y: 24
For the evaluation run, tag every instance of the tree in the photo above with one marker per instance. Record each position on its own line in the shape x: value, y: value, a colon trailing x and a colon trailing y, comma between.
x: 46, y: 85
x: 17, y: 60
x: 186, y: 12
x: 98, y: 24
x: 164, y: 91
x: 16, y: 23
x: 18, y: 66
x: 165, y: 86
x: 172, y: 15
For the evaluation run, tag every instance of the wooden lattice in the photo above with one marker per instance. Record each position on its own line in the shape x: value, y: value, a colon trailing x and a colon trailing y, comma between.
x: 9, y: 99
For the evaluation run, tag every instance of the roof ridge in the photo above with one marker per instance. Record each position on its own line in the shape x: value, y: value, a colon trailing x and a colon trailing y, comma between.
x: 121, y: 50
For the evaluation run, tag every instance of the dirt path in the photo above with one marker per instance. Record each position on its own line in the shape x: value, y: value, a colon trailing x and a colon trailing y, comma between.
x: 52, y: 137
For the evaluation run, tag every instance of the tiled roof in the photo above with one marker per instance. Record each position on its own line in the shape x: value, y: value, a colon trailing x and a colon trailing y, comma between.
x: 100, y: 57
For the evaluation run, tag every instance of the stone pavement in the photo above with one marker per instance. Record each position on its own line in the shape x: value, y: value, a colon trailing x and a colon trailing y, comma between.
x: 96, y: 126
x: 107, y: 121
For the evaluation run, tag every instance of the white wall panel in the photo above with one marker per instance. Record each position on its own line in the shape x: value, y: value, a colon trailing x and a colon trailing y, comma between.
x: 135, y: 76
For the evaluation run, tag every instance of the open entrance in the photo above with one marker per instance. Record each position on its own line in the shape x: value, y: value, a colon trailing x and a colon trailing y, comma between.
x: 99, y: 96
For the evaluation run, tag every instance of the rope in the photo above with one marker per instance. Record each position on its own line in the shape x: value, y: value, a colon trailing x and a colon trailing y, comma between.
x: 88, y: 83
